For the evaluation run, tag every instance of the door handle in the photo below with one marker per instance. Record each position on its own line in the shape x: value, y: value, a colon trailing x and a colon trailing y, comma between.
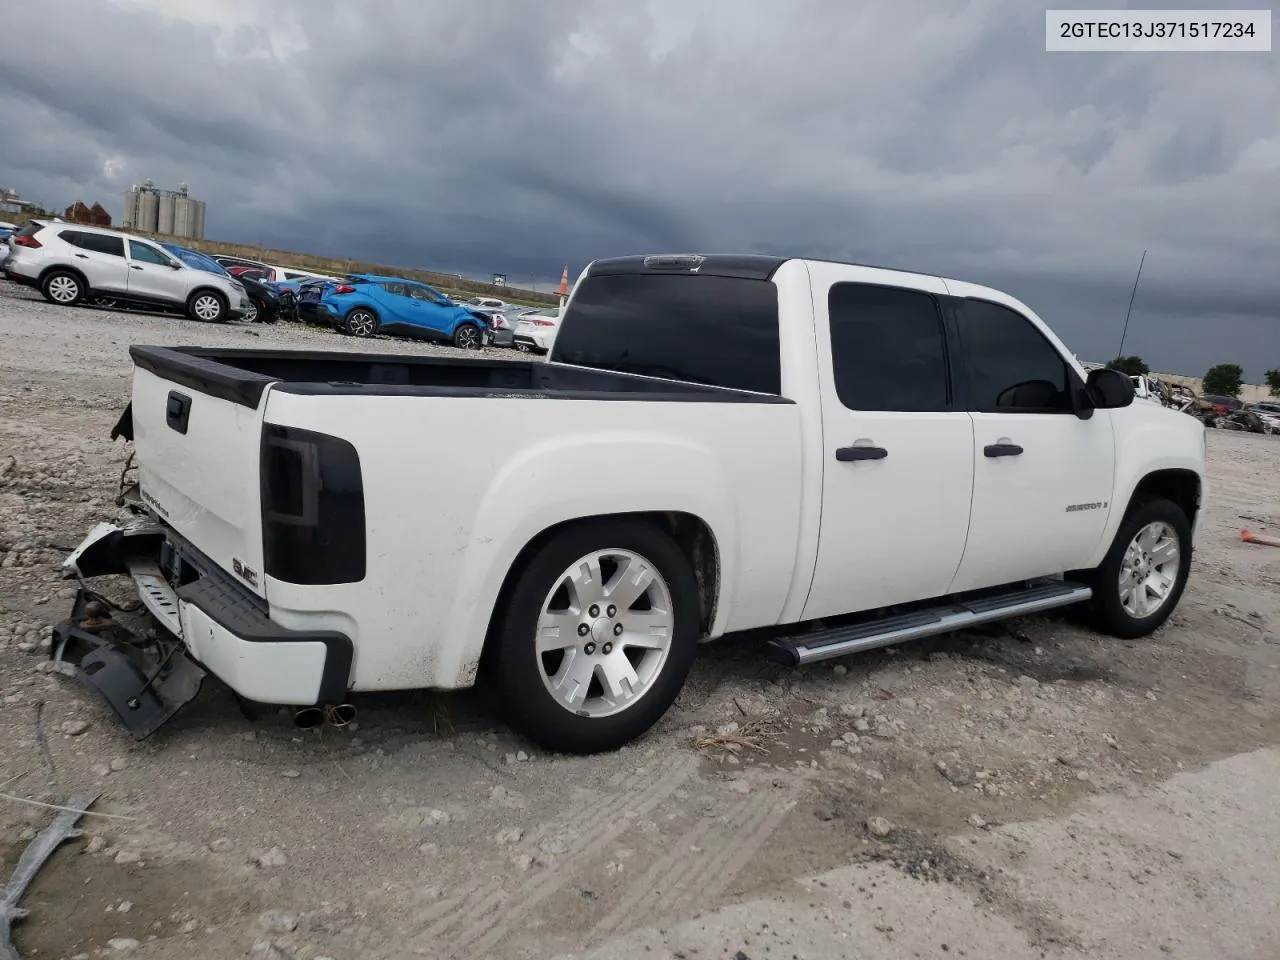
x: 860, y: 452
x: 82, y: 256
x: 1002, y: 450
x: 134, y: 266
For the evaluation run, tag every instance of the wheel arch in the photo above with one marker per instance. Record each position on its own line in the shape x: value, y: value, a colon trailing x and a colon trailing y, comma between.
x: 204, y: 288
x: 691, y: 533
x: 1178, y: 484
x: 62, y: 268
x: 363, y: 306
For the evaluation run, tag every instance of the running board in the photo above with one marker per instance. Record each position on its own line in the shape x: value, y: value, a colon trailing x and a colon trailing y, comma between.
x: 947, y: 617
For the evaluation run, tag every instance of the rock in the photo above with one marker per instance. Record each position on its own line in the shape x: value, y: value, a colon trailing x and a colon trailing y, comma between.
x: 191, y: 926
x: 521, y: 757
x: 122, y: 944
x: 221, y: 845
x: 976, y: 821
x: 852, y: 710
x: 498, y: 794
x: 907, y: 703
x: 1112, y: 742
x: 128, y: 856
x: 879, y: 827
x: 101, y: 770
x: 1028, y: 682
x: 839, y: 669
x: 435, y: 818
x: 727, y: 729
x: 291, y: 774
x: 861, y: 725
x: 522, y: 861
x: 849, y: 737
x: 271, y: 951
x: 73, y: 728
x: 118, y: 764
x: 272, y: 858
x: 428, y: 849
x: 553, y: 846
x: 96, y: 845
x: 277, y: 921
x: 509, y: 836
x: 125, y: 906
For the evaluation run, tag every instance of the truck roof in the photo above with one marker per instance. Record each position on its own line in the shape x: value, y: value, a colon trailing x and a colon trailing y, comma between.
x: 746, y: 266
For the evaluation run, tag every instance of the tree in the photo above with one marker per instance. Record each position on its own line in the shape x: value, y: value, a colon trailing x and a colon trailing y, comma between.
x: 1273, y: 381
x: 1224, y: 380
x: 1130, y: 366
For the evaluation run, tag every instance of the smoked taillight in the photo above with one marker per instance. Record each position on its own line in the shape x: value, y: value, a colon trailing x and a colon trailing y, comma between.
x: 313, y: 522
x: 31, y: 242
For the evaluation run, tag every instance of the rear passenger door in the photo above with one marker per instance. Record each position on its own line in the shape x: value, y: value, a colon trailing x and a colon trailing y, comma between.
x: 1043, y: 477
x: 897, y: 449
x: 396, y: 306
x: 100, y: 258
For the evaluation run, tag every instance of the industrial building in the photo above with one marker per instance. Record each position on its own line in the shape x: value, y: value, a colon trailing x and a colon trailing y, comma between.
x: 169, y: 212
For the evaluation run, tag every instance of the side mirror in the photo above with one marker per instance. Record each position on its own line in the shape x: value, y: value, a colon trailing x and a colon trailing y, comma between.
x: 1109, y: 389
x: 174, y: 265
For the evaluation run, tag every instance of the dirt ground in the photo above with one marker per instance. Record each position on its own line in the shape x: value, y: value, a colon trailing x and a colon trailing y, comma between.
x: 1044, y: 792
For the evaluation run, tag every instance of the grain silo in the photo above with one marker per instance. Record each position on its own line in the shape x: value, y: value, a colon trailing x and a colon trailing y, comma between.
x: 164, y: 221
x: 183, y: 217
x: 130, y: 207
x: 148, y: 212
x: 198, y: 233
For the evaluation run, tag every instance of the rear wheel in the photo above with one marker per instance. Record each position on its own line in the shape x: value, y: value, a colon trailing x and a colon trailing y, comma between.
x: 62, y: 287
x: 251, y: 315
x: 597, y: 636
x: 361, y: 323
x: 467, y: 337
x: 1142, y: 577
x: 207, y: 307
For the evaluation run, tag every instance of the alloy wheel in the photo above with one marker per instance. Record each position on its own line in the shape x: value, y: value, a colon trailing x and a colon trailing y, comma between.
x: 605, y: 632
x: 1149, y: 569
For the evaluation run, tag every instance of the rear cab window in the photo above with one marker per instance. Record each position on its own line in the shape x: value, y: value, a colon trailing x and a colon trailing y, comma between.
x: 719, y: 331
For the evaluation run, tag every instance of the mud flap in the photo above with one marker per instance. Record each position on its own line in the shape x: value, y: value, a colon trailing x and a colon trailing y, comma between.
x: 143, y: 682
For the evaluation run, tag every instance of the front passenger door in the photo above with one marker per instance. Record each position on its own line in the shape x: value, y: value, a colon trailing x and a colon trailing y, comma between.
x: 153, y: 276
x: 1043, y: 477
x: 897, y: 470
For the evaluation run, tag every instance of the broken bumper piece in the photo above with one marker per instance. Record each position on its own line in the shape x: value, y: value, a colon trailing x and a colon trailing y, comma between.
x: 143, y: 682
x: 210, y: 623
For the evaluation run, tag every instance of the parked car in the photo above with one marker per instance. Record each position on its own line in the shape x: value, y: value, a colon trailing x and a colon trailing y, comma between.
x: 365, y: 304
x: 1269, y: 414
x: 73, y: 263
x: 1223, y: 406
x: 7, y: 230
x: 842, y: 456
x: 268, y: 272
x: 535, y: 332
x: 266, y: 304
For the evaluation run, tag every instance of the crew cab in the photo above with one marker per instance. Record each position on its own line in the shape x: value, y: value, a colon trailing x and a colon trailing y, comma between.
x: 837, y: 456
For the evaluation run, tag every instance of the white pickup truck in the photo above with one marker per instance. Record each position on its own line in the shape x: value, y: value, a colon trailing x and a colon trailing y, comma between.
x: 843, y: 455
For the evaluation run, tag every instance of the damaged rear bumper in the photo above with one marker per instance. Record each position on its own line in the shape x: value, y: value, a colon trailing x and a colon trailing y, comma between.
x: 210, y: 623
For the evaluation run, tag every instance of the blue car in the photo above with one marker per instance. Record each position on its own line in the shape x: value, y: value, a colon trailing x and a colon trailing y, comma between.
x: 365, y: 304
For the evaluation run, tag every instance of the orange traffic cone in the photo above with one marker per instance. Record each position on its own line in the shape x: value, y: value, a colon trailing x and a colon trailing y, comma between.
x: 1261, y: 538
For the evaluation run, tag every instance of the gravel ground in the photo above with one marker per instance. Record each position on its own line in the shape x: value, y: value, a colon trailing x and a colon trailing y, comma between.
x: 1037, y: 791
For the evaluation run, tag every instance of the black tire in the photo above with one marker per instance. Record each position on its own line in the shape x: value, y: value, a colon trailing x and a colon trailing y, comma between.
x: 361, y: 322
x: 200, y: 306
x: 63, y: 287
x: 1106, y: 611
x: 467, y: 337
x: 514, y: 666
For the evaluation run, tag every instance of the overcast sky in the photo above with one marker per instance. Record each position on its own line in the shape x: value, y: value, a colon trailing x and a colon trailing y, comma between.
x: 476, y: 136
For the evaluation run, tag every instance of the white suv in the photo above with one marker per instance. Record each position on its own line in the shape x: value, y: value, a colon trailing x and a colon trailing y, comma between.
x: 70, y: 263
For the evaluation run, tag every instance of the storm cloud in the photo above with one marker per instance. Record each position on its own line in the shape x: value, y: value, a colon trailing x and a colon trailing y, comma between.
x: 493, y: 135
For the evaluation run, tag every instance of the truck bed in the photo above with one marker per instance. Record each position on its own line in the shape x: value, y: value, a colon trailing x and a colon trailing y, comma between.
x: 241, y: 376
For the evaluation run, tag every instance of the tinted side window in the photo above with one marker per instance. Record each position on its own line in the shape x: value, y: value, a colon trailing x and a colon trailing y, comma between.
x: 1012, y: 368
x: 147, y: 254
x: 395, y: 289
x: 887, y: 348
x: 71, y: 236
x: 100, y: 243
x: 720, y: 331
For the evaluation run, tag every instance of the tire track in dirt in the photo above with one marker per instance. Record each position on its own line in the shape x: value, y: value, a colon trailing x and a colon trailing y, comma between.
x: 727, y: 844
x: 485, y: 911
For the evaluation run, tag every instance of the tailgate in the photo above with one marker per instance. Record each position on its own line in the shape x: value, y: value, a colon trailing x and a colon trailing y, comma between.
x: 198, y: 449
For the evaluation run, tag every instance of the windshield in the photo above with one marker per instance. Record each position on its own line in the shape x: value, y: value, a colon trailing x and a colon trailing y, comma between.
x: 195, y: 260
